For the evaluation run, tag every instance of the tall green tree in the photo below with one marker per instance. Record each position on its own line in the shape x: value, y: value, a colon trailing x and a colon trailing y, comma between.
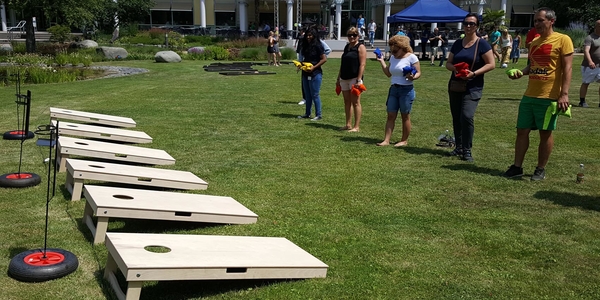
x: 493, y: 18
x: 79, y: 13
x: 586, y: 12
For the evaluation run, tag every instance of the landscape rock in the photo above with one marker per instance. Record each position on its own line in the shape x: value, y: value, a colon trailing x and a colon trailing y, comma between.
x: 167, y: 56
x: 112, y: 52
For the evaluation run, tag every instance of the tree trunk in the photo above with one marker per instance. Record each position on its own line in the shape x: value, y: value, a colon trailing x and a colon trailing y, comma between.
x: 29, y: 36
x: 256, y: 15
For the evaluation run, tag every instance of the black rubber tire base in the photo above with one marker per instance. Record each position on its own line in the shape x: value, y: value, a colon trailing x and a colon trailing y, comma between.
x: 18, y: 135
x: 19, y: 180
x: 29, y: 267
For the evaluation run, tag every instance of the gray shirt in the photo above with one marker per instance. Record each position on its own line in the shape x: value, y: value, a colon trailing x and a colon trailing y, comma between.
x: 593, y: 41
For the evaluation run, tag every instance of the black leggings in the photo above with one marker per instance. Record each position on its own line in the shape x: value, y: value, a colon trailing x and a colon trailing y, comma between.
x: 463, y: 107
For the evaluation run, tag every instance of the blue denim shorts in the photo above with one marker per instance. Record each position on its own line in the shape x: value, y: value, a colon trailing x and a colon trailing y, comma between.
x: 400, y: 98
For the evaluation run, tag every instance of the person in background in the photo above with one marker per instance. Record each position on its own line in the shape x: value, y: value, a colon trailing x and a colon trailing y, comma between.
x: 532, y: 34
x: 400, y: 31
x: 590, y: 66
x: 444, y: 45
x: 372, y: 27
x: 277, y: 53
x: 506, y: 47
x: 463, y: 104
x: 360, y: 24
x: 424, y: 41
x: 314, y: 53
x: 401, y: 93
x: 434, y: 42
x: 516, y: 48
x: 547, y: 94
x: 410, y: 33
x: 494, y: 39
x: 271, y: 56
x: 350, y: 75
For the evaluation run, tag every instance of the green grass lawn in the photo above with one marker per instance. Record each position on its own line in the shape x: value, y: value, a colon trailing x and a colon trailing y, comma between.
x: 391, y: 223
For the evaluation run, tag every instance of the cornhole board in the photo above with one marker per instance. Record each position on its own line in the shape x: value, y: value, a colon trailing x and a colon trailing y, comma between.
x: 68, y: 146
x: 204, y: 257
x: 69, y: 114
x: 80, y: 170
x: 110, y: 202
x: 103, y: 133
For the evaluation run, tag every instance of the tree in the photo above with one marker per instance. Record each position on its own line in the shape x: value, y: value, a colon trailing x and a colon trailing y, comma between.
x: 567, y: 12
x: 493, y: 18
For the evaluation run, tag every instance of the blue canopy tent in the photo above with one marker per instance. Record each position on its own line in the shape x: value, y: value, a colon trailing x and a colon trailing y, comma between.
x: 429, y: 11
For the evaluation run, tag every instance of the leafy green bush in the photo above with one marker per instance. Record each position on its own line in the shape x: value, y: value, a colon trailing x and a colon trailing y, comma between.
x: 60, y: 33
x: 253, y: 54
x: 217, y: 53
x: 51, y: 48
x: 288, y: 53
x: 19, y: 47
x: 140, y: 56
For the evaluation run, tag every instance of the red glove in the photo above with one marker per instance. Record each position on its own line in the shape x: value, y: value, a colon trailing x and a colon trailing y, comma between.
x: 338, y: 89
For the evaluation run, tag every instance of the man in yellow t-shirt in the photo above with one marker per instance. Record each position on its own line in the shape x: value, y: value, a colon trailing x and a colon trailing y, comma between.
x: 549, y: 70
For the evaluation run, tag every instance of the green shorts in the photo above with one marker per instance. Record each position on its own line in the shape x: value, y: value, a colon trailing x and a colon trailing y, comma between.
x: 536, y: 113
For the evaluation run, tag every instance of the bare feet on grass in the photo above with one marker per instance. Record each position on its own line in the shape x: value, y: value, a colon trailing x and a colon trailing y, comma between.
x: 401, y: 144
x: 384, y: 143
x: 354, y: 130
x: 344, y: 128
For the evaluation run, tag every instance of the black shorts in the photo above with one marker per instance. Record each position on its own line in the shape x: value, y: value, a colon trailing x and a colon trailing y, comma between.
x: 270, y: 49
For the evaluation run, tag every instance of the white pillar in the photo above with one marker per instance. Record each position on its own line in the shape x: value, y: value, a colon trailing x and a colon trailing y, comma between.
x: 503, y: 7
x: 3, y: 16
x: 459, y: 26
x: 338, y: 17
x: 242, y: 4
x: 433, y: 25
x: 373, y: 13
x: 203, y: 13
x: 290, y: 18
x: 386, y: 26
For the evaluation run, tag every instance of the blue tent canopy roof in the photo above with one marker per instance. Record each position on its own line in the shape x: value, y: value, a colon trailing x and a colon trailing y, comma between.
x: 428, y: 11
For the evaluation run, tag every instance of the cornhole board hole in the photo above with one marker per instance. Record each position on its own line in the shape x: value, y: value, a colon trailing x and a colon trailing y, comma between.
x: 103, y: 133
x: 203, y: 257
x: 110, y: 202
x: 68, y: 146
x: 87, y: 117
x: 80, y: 170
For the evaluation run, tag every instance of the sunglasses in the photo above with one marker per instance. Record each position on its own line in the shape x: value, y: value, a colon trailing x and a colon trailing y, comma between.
x: 352, y: 35
x: 469, y: 23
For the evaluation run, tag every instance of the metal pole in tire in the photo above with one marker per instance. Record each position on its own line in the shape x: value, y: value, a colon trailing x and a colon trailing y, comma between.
x: 38, y: 265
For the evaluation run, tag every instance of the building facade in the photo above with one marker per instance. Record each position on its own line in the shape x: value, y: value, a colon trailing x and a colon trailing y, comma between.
x: 242, y: 14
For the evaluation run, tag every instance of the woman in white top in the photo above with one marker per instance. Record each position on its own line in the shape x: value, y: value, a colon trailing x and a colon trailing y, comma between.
x: 401, y: 93
x: 506, y: 46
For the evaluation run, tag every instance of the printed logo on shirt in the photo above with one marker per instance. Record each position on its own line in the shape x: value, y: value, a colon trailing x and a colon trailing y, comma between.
x: 541, y: 55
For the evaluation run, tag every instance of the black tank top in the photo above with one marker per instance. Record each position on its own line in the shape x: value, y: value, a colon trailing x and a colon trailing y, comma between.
x: 350, y: 62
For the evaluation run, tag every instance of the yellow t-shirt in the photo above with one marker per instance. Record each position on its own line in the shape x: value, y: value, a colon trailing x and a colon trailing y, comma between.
x: 546, y: 69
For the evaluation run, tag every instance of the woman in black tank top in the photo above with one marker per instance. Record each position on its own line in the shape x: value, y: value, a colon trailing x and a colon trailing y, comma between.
x: 351, y: 72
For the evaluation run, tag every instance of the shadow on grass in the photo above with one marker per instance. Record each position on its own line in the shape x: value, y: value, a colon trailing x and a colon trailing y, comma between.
x: 289, y: 102
x: 504, y: 99
x: 420, y: 151
x: 185, y: 289
x: 322, y: 125
x: 285, y: 116
x: 201, y: 289
x: 364, y: 139
x: 570, y: 199
x: 13, y: 251
x: 473, y: 168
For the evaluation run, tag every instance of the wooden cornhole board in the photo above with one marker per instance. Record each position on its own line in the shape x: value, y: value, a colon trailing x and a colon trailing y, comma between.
x: 68, y: 146
x: 80, y: 170
x: 204, y: 257
x: 106, y: 202
x: 103, y: 133
x: 69, y: 114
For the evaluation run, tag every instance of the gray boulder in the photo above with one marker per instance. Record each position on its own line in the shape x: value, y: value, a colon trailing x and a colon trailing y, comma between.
x: 167, y: 56
x: 87, y: 44
x: 6, y: 48
x: 112, y: 52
